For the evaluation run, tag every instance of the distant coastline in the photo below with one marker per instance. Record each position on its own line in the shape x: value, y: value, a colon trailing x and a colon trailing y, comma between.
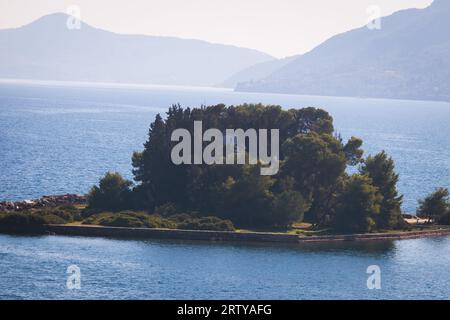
x: 108, y: 85
x: 150, y: 86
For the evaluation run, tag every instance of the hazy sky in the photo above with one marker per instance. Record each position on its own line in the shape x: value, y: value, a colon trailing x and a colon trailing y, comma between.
x: 278, y: 27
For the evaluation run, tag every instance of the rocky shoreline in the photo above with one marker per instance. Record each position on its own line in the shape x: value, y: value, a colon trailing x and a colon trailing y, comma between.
x: 44, y: 202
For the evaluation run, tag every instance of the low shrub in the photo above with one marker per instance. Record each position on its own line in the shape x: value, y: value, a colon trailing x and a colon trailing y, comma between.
x: 138, y: 219
x: 121, y: 221
x: 95, y: 218
x: 88, y: 212
x: 156, y: 221
x: 59, y: 215
x: 445, y: 219
x: 131, y: 219
x: 207, y: 223
x: 70, y: 208
x: 112, y: 193
x: 53, y: 219
x: 181, y: 217
x: 167, y: 209
x: 22, y: 223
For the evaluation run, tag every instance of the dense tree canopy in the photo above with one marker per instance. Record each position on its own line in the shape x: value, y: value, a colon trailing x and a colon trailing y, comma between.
x: 380, y: 168
x: 112, y: 193
x: 358, y: 206
x: 435, y: 206
x: 312, y: 182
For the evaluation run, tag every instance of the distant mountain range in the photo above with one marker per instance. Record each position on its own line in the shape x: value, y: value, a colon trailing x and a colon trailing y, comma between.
x: 256, y: 72
x: 47, y: 50
x: 408, y: 58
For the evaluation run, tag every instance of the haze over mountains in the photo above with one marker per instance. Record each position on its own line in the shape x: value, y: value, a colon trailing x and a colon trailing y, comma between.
x: 257, y: 71
x: 47, y: 50
x: 409, y: 58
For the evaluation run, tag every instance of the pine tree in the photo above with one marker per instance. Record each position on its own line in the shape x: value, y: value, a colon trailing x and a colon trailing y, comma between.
x: 380, y: 168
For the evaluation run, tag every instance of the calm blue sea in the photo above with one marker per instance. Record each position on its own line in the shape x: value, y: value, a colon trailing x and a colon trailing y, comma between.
x: 36, y: 268
x: 58, y: 138
x: 61, y: 137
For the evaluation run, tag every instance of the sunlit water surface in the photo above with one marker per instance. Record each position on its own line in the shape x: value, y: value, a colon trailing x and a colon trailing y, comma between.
x: 35, y: 268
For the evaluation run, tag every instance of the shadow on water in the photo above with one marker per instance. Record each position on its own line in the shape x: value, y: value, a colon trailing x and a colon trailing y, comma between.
x: 359, y: 247
x: 344, y: 247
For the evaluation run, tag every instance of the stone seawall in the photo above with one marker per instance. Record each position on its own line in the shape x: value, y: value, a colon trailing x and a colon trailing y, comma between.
x: 401, y: 235
x: 146, y: 233
x: 170, y: 234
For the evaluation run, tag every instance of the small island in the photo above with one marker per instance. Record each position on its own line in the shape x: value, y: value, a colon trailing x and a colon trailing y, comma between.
x: 313, y: 196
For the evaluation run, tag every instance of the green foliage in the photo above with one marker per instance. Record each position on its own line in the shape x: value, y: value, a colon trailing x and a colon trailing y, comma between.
x: 161, y: 181
x: 112, y: 193
x: 380, y: 168
x: 53, y: 219
x: 122, y: 220
x: 206, y: 223
x: 33, y: 221
x: 445, y: 218
x: 133, y: 219
x: 119, y: 219
x: 435, y: 206
x: 21, y: 223
x: 311, y: 184
x: 59, y: 215
x: 166, y: 209
x: 315, y: 162
x: 310, y: 119
x: 289, y: 206
x: 231, y: 192
x: 248, y: 200
x: 353, y: 151
x: 359, y: 206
